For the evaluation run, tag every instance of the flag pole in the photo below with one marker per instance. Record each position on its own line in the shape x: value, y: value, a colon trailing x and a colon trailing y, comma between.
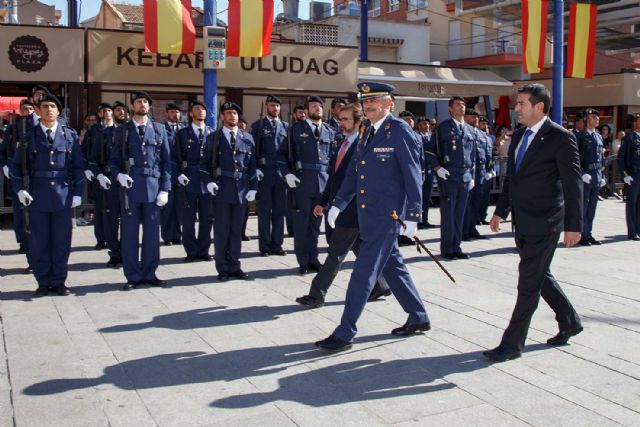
x: 210, y: 76
x: 558, y: 61
x: 364, y: 30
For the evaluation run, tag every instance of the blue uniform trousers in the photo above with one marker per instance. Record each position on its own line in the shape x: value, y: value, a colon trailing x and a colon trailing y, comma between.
x: 112, y: 221
x: 590, y: 204
x: 427, y: 188
x: 379, y: 255
x: 471, y: 213
x: 483, y: 202
x: 227, y: 235
x: 633, y: 206
x: 452, y: 210
x: 49, y: 246
x: 272, y: 207
x: 198, y: 206
x: 98, y: 211
x: 137, y: 267
x: 306, y: 229
x: 18, y: 218
x: 170, y: 215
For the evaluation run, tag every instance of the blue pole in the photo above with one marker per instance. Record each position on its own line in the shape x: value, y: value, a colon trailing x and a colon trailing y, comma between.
x: 210, y: 76
x: 364, y: 30
x: 558, y: 60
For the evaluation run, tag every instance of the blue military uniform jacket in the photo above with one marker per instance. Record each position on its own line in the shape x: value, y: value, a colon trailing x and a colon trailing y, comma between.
x: 150, y: 160
x: 235, y: 174
x: 99, y: 160
x: 453, y: 150
x: 56, y: 170
x: 629, y: 156
x: 271, y: 149
x: 170, y: 132
x: 187, y: 148
x: 14, y: 133
x: 384, y: 175
x: 591, y: 155
x: 311, y: 156
x: 484, y: 155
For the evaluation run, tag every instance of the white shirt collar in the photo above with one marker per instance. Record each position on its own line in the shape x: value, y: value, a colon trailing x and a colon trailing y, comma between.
x: 54, y: 128
x: 313, y: 125
x: 535, y: 128
x: 195, y: 128
x: 227, y: 132
x: 378, y: 124
x: 136, y: 123
x: 458, y: 124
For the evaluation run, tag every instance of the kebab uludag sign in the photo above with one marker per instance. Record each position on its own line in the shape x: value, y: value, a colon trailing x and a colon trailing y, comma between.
x: 119, y: 57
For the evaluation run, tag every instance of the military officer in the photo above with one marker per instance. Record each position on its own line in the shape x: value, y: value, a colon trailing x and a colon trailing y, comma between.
x: 337, y: 104
x: 270, y: 136
x: 228, y: 170
x: 424, y: 132
x: 629, y: 164
x: 47, y: 175
x: 591, y: 162
x: 171, y: 213
x: 188, y: 149
x: 453, y: 162
x: 312, y: 144
x: 483, y: 174
x: 384, y: 175
x: 142, y: 166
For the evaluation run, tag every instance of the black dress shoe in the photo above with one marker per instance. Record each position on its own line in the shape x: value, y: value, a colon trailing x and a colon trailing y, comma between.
x: 449, y: 256
x: 466, y: 238
x: 114, y: 262
x: 584, y: 242
x: 411, y: 328
x: 500, y: 354
x: 27, y: 270
x: 563, y: 336
x: 461, y: 255
x: 303, y: 270
x: 42, y: 291
x: 21, y: 249
x: 477, y: 236
x: 310, y: 302
x: 131, y: 284
x: 177, y: 241
x: 189, y: 258
x: 484, y: 222
x: 155, y: 282
x: 333, y: 343
x: 279, y: 252
x: 376, y: 295
x: 405, y: 241
x: 223, y: 277
x: 636, y: 238
x: 62, y: 290
x: 315, y: 266
x: 594, y: 241
x: 168, y: 243
x: 99, y: 246
x: 206, y: 258
x: 240, y: 275
x: 246, y: 238
x: 264, y: 253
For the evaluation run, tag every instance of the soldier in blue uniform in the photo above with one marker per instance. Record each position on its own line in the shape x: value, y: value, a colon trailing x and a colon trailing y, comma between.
x: 228, y: 170
x: 410, y: 119
x: 109, y: 195
x: 485, y: 193
x: 270, y: 136
x: 171, y: 213
x: 424, y: 133
x: 483, y: 174
x: 146, y: 186
x: 453, y: 162
x: 337, y: 104
x: 194, y: 200
x: 591, y: 161
x: 384, y: 175
x: 312, y: 144
x: 95, y: 136
x: 629, y: 164
x: 47, y: 175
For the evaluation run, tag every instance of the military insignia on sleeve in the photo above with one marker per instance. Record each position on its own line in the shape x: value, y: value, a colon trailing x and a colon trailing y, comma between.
x: 383, y: 150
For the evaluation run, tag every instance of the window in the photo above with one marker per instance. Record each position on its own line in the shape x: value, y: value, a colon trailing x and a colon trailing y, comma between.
x: 326, y: 35
x: 394, y: 5
x: 417, y: 5
x: 374, y: 8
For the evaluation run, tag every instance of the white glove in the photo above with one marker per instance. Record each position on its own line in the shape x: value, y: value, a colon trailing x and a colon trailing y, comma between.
x: 489, y: 176
x: 586, y: 178
x: 443, y: 173
x: 212, y: 188
x: 332, y: 215
x: 125, y: 180
x: 410, y: 230
x: 5, y: 169
x: 162, y: 199
x: 628, y: 180
x: 251, y: 195
x: 89, y: 175
x: 183, y: 180
x: 603, y: 182
x: 77, y: 201
x: 292, y: 180
x: 259, y: 174
x: 25, y: 198
x: 472, y: 184
x: 104, y: 181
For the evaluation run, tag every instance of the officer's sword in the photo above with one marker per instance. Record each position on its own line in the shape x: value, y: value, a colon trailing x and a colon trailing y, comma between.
x: 395, y: 216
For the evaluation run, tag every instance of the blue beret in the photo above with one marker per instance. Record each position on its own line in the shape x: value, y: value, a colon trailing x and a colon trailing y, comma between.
x: 230, y: 106
x: 141, y: 94
x: 368, y: 90
x: 49, y: 97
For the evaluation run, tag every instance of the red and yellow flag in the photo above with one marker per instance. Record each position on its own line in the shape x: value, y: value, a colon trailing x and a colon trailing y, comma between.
x: 534, y: 34
x: 168, y: 27
x: 250, y: 24
x: 581, y: 47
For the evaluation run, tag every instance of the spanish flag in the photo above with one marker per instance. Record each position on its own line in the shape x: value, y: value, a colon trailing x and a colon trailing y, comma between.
x: 581, y: 47
x: 168, y: 27
x: 250, y: 24
x: 534, y: 34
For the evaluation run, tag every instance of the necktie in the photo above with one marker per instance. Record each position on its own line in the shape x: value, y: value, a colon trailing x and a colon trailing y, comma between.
x: 523, y: 148
x: 233, y: 141
x: 343, y: 150
x: 370, y: 137
x: 200, y: 135
x: 461, y: 128
x: 141, y: 131
x: 316, y: 131
x: 49, y: 136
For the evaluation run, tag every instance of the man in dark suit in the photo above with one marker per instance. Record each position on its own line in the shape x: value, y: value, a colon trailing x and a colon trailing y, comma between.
x: 346, y: 235
x: 543, y: 192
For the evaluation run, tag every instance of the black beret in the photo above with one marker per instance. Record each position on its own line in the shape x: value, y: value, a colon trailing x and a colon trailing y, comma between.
x: 298, y: 107
x: 484, y: 119
x: 422, y: 119
x: 579, y: 116
x: 141, y: 94
x: 104, y: 105
x: 230, y: 106
x: 39, y: 87
x: 337, y: 101
x: 406, y: 113
x: 120, y: 104
x: 635, y: 116
x: 172, y: 106
x: 49, y: 97
x: 196, y: 102
x: 273, y: 98
x: 590, y: 111
x: 313, y: 98
x: 471, y: 112
x: 25, y: 102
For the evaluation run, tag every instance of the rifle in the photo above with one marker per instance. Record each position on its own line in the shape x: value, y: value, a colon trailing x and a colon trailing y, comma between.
x: 215, y: 171
x: 442, y: 160
x: 126, y: 168
x: 182, y: 166
x: 103, y: 192
x: 292, y: 203
x: 26, y: 179
x: 259, y: 148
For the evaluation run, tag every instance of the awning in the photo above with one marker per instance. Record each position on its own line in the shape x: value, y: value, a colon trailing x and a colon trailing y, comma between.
x: 434, y: 81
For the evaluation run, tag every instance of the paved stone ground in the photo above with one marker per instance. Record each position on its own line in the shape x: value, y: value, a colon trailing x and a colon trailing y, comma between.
x: 240, y: 353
